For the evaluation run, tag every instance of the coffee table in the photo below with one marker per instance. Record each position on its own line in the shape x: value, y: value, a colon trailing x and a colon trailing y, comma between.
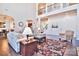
x: 40, y: 38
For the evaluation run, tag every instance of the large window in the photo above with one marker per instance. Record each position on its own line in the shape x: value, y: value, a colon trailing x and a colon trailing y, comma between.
x: 41, y: 8
x: 43, y: 23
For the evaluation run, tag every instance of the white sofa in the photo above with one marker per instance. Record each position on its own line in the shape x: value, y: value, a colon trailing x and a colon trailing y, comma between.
x: 12, y: 40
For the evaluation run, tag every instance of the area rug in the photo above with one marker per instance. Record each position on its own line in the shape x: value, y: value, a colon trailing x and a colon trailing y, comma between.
x: 53, y: 48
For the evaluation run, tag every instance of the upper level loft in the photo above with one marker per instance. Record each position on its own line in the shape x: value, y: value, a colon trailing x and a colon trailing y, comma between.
x: 46, y: 8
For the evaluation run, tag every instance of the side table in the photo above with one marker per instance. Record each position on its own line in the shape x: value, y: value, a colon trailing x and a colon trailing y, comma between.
x: 28, y: 49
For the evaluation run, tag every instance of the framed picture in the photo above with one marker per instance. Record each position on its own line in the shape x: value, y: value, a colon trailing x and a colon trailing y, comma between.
x: 20, y: 24
x: 54, y: 26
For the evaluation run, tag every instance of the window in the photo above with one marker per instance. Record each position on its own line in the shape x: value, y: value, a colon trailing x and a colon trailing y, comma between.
x: 65, y: 4
x: 41, y: 8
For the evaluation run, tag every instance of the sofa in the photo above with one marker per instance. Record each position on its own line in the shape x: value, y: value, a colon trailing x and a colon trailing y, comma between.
x: 12, y: 40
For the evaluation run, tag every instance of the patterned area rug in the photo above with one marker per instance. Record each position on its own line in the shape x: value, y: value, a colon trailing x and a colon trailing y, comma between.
x: 53, y: 48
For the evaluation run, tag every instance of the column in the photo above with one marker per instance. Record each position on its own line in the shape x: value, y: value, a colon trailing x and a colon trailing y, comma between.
x: 36, y: 9
x: 46, y: 8
x: 77, y: 24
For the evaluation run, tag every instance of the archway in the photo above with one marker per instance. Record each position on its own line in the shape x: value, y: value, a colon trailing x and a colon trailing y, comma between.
x: 6, y: 22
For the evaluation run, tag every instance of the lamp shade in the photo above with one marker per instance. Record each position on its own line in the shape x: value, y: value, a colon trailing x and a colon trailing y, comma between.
x: 27, y: 31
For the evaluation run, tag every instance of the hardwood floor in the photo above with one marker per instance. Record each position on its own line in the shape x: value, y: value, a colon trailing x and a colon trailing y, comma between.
x: 6, y: 50
x: 4, y: 47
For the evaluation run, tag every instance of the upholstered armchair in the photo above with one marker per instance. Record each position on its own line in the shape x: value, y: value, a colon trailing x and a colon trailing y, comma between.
x: 69, y: 35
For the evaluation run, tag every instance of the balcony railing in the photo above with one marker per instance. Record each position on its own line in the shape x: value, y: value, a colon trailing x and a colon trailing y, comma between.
x: 70, y: 4
x: 53, y: 7
x: 65, y: 5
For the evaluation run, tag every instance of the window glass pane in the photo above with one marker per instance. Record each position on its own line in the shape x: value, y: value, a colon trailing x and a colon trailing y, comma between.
x: 65, y: 4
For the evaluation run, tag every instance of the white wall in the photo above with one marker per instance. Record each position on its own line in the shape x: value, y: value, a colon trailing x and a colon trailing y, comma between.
x: 77, y: 24
x: 64, y: 21
x: 0, y: 8
x: 19, y: 11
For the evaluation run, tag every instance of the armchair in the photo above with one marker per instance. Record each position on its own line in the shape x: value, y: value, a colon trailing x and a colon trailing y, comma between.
x: 69, y: 35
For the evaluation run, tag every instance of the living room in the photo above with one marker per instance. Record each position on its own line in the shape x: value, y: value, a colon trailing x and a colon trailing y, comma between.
x: 54, y: 27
